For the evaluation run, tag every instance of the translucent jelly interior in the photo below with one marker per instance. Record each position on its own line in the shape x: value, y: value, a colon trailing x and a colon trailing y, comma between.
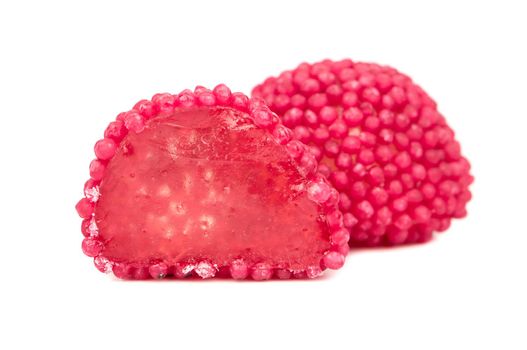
x: 206, y: 184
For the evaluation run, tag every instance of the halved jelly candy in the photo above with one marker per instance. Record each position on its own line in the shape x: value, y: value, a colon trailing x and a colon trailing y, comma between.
x: 208, y: 183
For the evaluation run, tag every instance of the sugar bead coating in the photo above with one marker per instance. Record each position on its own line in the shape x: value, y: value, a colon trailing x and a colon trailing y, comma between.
x: 382, y: 143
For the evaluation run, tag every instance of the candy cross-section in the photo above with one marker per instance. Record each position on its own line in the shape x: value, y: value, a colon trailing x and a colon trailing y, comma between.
x: 208, y: 183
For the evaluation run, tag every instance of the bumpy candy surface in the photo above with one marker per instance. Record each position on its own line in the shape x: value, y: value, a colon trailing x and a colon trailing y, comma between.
x: 208, y: 183
x: 382, y: 143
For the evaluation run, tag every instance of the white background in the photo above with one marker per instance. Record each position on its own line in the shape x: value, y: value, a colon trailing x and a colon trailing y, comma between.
x: 67, y: 69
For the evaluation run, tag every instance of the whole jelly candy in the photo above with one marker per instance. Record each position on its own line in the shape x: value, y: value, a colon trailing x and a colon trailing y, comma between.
x: 382, y: 143
x: 207, y: 183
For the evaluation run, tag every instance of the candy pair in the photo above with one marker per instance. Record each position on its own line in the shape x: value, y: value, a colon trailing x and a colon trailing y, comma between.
x: 211, y: 183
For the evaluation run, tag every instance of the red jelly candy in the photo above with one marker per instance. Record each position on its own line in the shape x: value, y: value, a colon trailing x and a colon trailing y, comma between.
x: 204, y: 183
x: 382, y: 143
